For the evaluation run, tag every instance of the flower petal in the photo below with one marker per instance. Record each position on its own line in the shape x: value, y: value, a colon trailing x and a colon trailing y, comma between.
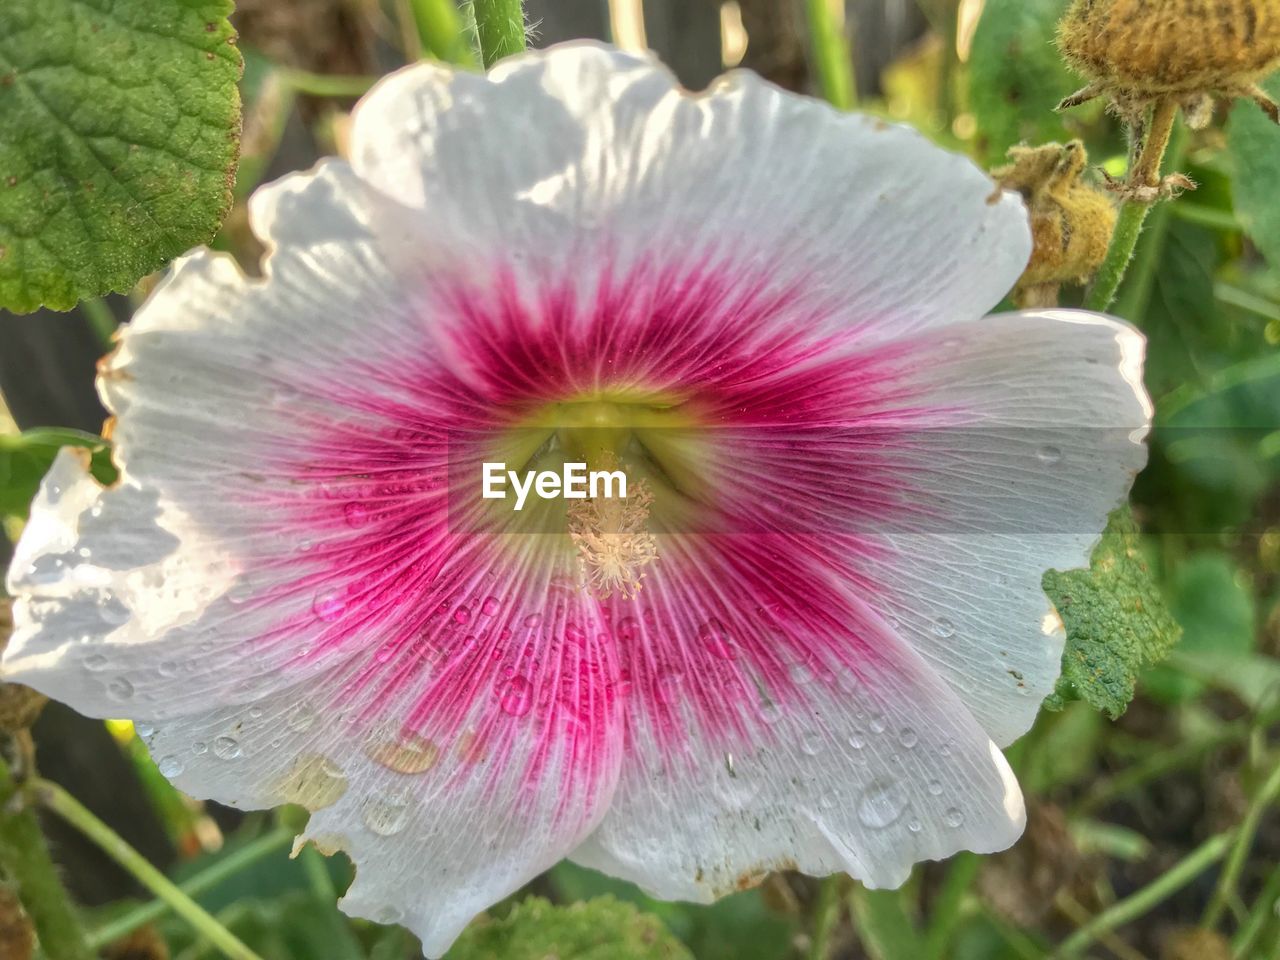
x: 614, y: 159
x: 774, y: 729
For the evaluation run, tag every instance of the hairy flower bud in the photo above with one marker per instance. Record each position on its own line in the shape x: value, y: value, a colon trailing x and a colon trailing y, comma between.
x: 1137, y: 51
x: 1071, y: 221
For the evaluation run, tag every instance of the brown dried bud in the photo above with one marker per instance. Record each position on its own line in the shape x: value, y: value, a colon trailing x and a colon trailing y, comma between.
x: 1071, y: 221
x: 145, y: 943
x: 19, y: 705
x: 1136, y: 51
x: 17, y: 939
x: 1191, y: 943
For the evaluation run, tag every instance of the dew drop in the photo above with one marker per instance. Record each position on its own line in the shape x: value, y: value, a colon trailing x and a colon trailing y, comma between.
x: 800, y: 673
x: 385, y: 652
x: 226, y: 748
x: 857, y: 741
x: 811, y: 742
x: 462, y: 615
x: 120, y: 689
x: 171, y: 766
x: 876, y: 723
x: 301, y: 717
x: 490, y: 606
x: 935, y: 787
x: 95, y: 662
x: 199, y: 748
x: 329, y: 606
x: 1049, y: 455
x: 914, y: 825
x: 357, y: 514
x: 953, y: 817
x: 144, y: 730
x: 770, y: 713
x: 167, y: 668
x: 386, y: 814
x: 944, y: 628
x: 882, y: 804
x: 533, y: 619
x: 517, y: 696
x: 715, y: 636
x: 628, y: 628
x: 389, y: 915
x: 908, y: 737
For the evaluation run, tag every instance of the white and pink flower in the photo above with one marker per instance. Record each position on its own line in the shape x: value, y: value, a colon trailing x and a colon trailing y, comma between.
x: 822, y: 616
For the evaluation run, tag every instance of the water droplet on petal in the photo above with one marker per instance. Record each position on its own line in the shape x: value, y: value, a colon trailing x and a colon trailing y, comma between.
x: 386, y: 814
x: 329, y: 606
x: 199, y: 748
x: 716, y: 637
x: 882, y: 804
x: 935, y: 787
x: 517, y: 696
x: 144, y: 730
x: 167, y: 668
x: 301, y: 717
x: 120, y: 689
x: 908, y: 737
x: 226, y: 748
x: 914, y: 825
x: 389, y: 915
x: 95, y: 662
x: 490, y: 606
x: 171, y: 766
x: 876, y: 723
x: 770, y: 713
x: 1049, y: 455
x: 953, y: 817
x: 811, y: 742
x: 462, y: 615
x: 533, y: 619
x: 944, y: 628
x: 357, y: 514
x: 857, y: 741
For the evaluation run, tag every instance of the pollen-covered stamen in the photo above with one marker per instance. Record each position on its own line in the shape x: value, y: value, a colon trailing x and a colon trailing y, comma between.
x: 613, y: 540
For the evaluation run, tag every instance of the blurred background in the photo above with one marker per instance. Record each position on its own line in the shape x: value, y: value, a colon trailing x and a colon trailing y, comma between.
x: 1115, y: 805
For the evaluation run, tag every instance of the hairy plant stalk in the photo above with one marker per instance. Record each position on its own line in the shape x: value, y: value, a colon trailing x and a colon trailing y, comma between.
x: 499, y: 29
x: 25, y: 859
x: 57, y: 800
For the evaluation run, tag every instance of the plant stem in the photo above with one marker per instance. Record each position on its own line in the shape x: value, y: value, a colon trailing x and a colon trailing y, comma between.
x: 1135, y: 905
x: 499, y: 28
x: 1234, y: 867
x: 215, y: 873
x: 826, y: 913
x: 831, y: 52
x: 325, y: 84
x: 1142, y: 274
x: 1242, y: 943
x: 961, y: 873
x: 1133, y: 212
x: 101, y: 319
x: 26, y: 860
x: 440, y: 31
x: 54, y: 798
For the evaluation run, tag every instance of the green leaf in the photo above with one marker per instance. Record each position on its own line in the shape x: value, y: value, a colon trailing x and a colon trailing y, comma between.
x: 883, y: 925
x: 1253, y: 141
x: 26, y: 458
x: 1017, y: 76
x: 121, y: 125
x: 601, y: 929
x: 1115, y: 618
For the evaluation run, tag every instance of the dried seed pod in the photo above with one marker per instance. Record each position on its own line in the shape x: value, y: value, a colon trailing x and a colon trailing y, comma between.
x: 1071, y: 221
x: 19, y: 705
x: 17, y: 939
x: 1138, y: 51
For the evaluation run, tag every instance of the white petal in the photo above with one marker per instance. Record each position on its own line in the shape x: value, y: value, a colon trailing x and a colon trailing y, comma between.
x: 870, y: 779
x: 1055, y: 420
x: 582, y: 151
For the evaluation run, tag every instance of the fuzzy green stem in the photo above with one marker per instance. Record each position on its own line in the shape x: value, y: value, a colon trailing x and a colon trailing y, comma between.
x: 26, y: 860
x: 1135, y: 905
x: 831, y: 52
x: 215, y: 873
x: 440, y: 31
x: 961, y: 873
x: 57, y: 800
x: 1133, y: 212
x: 825, y: 914
x: 1234, y: 867
x: 1242, y: 943
x: 499, y: 29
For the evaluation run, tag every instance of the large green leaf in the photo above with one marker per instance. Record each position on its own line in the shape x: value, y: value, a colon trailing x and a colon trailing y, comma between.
x: 25, y: 459
x: 1016, y: 75
x: 601, y: 929
x: 119, y: 129
x: 1254, y: 143
x: 1115, y: 618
